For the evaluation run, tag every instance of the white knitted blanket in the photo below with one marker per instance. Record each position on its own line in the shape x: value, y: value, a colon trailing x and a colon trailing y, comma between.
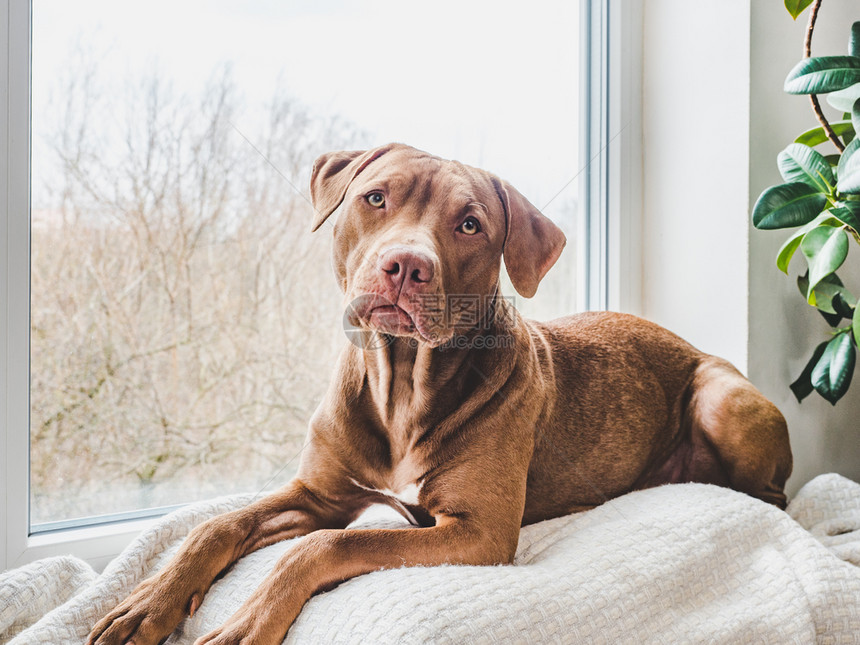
x: 677, y: 564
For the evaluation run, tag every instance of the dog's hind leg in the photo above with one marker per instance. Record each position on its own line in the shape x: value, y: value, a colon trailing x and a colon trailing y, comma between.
x: 744, y: 429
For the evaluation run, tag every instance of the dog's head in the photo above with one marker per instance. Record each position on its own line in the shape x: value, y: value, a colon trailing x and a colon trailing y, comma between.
x: 420, y: 239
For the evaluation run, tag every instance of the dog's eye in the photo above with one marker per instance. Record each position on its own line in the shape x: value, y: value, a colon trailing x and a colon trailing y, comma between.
x: 376, y: 199
x: 470, y: 226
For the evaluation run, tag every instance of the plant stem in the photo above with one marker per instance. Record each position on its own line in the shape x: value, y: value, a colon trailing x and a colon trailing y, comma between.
x: 813, y: 98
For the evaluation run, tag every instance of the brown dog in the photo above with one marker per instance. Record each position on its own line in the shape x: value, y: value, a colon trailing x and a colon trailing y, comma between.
x: 468, y: 420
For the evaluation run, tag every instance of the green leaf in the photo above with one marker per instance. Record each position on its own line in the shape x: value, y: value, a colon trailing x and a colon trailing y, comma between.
x: 855, y: 110
x: 825, y: 248
x: 831, y: 376
x: 843, y: 100
x: 832, y: 319
x: 799, y: 162
x: 802, y: 387
x: 786, y: 252
x: 824, y: 294
x: 855, y: 325
x: 843, y: 308
x: 854, y: 41
x: 796, y: 7
x: 848, y: 170
x: 803, y: 283
x: 823, y: 297
x: 848, y: 213
x: 823, y: 74
x: 849, y: 151
x: 818, y: 135
x: 787, y: 205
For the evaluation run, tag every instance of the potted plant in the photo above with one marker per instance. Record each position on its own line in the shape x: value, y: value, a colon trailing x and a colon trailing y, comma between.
x: 821, y: 199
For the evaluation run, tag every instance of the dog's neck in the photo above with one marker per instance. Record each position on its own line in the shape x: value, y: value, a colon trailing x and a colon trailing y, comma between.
x: 414, y: 385
x: 407, y: 379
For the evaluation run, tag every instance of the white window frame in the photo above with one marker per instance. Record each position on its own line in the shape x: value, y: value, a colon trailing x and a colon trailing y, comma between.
x: 611, y: 190
x: 611, y: 193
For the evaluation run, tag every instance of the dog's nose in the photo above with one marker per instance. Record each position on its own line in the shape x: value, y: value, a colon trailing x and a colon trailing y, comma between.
x: 407, y: 266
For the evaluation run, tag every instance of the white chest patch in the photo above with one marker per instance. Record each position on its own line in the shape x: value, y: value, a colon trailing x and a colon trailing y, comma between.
x: 406, y: 495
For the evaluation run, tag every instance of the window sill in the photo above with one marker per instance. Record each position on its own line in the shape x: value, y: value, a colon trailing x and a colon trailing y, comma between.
x: 97, y: 545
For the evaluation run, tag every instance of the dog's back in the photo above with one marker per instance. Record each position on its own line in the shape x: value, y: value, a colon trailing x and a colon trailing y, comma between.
x: 637, y: 406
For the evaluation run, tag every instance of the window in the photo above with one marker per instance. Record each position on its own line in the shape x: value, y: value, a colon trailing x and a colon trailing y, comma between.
x: 170, y: 325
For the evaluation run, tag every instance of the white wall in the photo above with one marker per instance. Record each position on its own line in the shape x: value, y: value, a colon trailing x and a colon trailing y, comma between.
x: 714, y: 119
x: 695, y: 144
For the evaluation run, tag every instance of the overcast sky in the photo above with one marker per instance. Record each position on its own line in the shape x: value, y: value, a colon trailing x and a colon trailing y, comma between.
x: 493, y: 84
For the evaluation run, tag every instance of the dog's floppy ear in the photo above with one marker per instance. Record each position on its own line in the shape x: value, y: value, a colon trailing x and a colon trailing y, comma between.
x: 532, y: 242
x: 332, y: 174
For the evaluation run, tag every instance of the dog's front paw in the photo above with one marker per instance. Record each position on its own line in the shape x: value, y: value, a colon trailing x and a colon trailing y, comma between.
x: 244, y: 629
x: 149, y: 614
x: 264, y: 619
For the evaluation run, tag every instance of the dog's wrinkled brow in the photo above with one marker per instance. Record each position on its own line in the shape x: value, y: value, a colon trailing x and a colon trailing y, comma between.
x: 400, y: 184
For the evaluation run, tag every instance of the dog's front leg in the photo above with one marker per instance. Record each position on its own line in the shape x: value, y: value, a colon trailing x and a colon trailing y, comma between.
x: 325, y: 558
x: 158, y: 604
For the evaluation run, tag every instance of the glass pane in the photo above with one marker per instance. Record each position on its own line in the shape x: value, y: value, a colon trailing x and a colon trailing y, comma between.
x: 184, y: 319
